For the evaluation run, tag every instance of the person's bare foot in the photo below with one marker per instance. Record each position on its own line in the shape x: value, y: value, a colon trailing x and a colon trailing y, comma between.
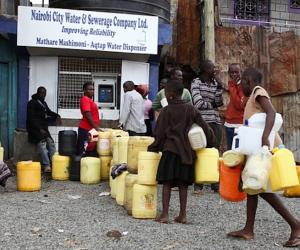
x: 181, y: 219
x: 162, y: 219
x: 242, y: 234
x: 294, y: 240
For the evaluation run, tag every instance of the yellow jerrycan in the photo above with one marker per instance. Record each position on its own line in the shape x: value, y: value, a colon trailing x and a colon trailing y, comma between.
x: 105, y: 167
x: 28, y: 176
x: 1, y: 152
x: 60, y: 167
x: 207, y: 166
x: 147, y: 168
x: 293, y: 191
x: 113, y: 187
x: 136, y: 144
x: 232, y: 158
x: 115, y: 149
x: 90, y: 170
x: 130, y: 180
x: 103, y: 144
x: 120, y: 188
x: 116, y: 133
x: 144, y: 201
x: 283, y: 173
x: 122, y: 149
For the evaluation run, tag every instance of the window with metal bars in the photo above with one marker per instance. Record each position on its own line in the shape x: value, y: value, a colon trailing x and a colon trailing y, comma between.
x: 255, y: 10
x: 295, y: 4
x: 74, y: 72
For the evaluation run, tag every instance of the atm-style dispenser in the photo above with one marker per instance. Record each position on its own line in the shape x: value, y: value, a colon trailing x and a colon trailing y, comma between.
x: 105, y: 93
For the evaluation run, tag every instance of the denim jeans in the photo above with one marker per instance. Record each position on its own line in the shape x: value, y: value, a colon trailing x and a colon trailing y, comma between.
x: 229, y: 137
x: 46, y: 149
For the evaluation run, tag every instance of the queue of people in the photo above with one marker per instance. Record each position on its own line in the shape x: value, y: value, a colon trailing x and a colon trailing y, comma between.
x: 176, y: 110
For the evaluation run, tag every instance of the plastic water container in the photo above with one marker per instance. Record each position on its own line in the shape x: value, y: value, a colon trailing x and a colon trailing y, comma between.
x: 147, y: 168
x: 105, y: 167
x: 28, y: 176
x: 113, y: 186
x: 130, y: 180
x: 115, y: 149
x: 283, y: 173
x: 122, y: 149
x: 248, y: 140
x: 229, y: 183
x: 258, y: 120
x: 144, y: 201
x: 1, y: 153
x: 120, y: 188
x: 232, y: 158
x: 90, y: 170
x: 293, y: 191
x: 60, y: 167
x: 67, y: 140
x: 197, y: 137
x: 207, y: 166
x: 255, y: 175
x: 93, y: 135
x: 136, y: 144
x: 103, y: 145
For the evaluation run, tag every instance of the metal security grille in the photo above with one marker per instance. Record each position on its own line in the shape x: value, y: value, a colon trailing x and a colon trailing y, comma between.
x: 295, y: 4
x: 74, y: 72
x: 257, y: 10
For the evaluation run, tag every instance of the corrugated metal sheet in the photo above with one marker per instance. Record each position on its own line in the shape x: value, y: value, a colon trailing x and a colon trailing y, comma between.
x: 291, y: 124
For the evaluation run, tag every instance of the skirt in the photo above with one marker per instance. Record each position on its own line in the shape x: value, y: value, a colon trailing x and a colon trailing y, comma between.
x: 171, y: 170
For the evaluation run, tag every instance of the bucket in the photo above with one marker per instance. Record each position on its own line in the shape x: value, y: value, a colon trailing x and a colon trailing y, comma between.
x: 28, y: 176
x: 136, y: 144
x: 144, y: 201
x: 130, y: 180
x: 283, y: 173
x: 207, y: 166
x: 147, y: 168
x: 60, y: 167
x: 229, y: 183
x: 90, y: 170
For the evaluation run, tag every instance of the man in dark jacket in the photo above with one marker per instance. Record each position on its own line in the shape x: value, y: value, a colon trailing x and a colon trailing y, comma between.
x: 38, y: 116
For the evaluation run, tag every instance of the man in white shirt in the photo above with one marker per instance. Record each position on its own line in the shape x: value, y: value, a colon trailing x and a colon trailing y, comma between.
x: 132, y: 112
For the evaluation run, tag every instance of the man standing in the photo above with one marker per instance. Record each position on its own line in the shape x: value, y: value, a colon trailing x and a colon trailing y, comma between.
x: 38, y: 116
x: 90, y: 119
x: 132, y: 113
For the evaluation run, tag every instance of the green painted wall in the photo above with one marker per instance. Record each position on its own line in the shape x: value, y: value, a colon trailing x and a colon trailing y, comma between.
x: 8, y: 94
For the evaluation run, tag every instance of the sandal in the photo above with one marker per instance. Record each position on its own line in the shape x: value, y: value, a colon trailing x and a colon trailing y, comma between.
x: 294, y: 242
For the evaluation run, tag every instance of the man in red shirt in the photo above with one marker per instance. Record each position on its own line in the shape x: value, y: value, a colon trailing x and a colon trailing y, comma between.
x: 90, y: 119
x: 235, y: 109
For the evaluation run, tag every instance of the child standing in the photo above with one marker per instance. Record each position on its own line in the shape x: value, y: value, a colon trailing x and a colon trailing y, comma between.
x: 176, y: 167
x: 235, y: 109
x: 259, y: 101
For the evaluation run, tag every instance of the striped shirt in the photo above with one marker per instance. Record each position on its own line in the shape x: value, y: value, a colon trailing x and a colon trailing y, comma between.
x: 204, y: 95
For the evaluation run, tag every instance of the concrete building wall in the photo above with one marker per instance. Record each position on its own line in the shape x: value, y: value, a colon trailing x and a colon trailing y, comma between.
x: 282, y: 18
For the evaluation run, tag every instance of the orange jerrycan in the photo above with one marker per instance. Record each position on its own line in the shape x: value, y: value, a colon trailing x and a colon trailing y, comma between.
x: 293, y: 191
x: 283, y: 173
x: 229, y: 183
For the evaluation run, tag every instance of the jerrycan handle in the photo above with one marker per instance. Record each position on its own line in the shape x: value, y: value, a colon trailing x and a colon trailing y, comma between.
x: 235, y: 143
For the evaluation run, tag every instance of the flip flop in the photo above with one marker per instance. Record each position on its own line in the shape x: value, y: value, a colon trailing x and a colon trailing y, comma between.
x: 163, y: 221
x: 180, y: 221
x: 295, y: 242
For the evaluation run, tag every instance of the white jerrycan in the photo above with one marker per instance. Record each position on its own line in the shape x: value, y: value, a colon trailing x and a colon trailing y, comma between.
x: 248, y: 140
x: 197, y: 137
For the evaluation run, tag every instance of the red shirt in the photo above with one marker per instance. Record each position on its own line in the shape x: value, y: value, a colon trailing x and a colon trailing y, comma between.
x: 87, y: 104
x: 235, y: 109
